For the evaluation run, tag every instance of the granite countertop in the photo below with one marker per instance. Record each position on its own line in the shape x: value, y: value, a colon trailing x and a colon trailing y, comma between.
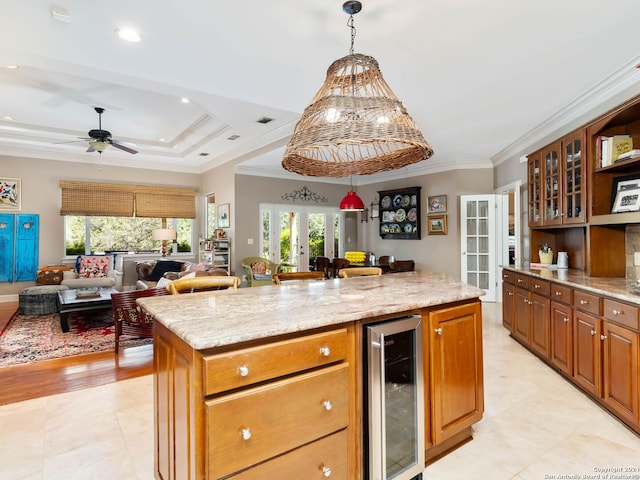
x: 212, y: 319
x: 620, y: 288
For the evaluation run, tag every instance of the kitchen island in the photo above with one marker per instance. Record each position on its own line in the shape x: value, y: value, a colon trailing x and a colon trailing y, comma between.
x: 239, y: 375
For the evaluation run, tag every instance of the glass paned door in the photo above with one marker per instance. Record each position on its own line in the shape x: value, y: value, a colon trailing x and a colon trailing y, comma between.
x: 478, y: 236
x: 552, y: 182
x: 534, y: 181
x: 574, y: 191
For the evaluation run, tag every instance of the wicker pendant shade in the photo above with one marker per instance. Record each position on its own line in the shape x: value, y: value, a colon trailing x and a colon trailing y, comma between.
x: 355, y: 125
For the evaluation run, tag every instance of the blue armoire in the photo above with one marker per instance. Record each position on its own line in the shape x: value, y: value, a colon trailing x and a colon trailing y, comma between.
x: 18, y: 247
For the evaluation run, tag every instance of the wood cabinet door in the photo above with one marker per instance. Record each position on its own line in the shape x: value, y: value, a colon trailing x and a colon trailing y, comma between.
x: 508, y: 305
x: 534, y: 192
x: 552, y: 185
x: 586, y: 352
x: 620, y: 370
x: 457, y: 393
x: 539, y: 325
x: 574, y: 189
x: 561, y: 351
x: 522, y: 314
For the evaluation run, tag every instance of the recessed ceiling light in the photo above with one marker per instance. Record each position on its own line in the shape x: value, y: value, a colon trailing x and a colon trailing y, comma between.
x: 8, y: 117
x: 13, y: 67
x: 185, y: 100
x: 162, y: 140
x: 128, y: 34
x: 61, y: 14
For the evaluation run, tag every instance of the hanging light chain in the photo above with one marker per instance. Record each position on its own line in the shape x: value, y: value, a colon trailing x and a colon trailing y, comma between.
x: 351, y: 25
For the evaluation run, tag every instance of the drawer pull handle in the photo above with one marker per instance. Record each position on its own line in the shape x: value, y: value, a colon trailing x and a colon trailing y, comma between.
x: 520, y: 280
x: 565, y: 320
x: 511, y: 294
x: 593, y: 332
x: 617, y: 312
x: 243, y: 371
x: 603, y: 337
x: 245, y: 433
x: 327, y: 405
x: 584, y: 302
x: 438, y: 331
x: 536, y: 286
x: 326, y: 471
x: 505, y: 276
x: 558, y: 294
x: 325, y: 351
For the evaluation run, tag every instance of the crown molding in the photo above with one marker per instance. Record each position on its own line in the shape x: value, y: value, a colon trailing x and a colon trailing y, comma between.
x: 621, y: 85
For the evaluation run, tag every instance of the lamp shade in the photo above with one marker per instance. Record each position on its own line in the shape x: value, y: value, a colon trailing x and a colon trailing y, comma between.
x: 352, y: 202
x: 164, y: 234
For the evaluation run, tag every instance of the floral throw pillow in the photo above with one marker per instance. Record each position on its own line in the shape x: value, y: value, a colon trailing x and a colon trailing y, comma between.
x: 93, y: 267
x: 259, y: 268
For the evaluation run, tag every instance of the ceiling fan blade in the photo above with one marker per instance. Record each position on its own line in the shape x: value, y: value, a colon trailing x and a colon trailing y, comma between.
x: 122, y: 147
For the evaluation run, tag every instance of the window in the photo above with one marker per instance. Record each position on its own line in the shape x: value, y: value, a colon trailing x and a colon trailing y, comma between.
x: 96, y: 234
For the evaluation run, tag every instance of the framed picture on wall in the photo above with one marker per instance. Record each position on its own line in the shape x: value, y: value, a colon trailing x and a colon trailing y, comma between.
x: 223, y: 216
x: 437, y: 204
x: 10, y: 194
x: 437, y: 224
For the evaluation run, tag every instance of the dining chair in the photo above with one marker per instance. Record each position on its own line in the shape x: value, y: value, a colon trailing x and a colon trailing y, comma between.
x: 403, y: 266
x: 359, y: 272
x: 323, y: 264
x: 339, y: 264
x: 128, y: 317
x: 282, y: 277
x: 201, y: 284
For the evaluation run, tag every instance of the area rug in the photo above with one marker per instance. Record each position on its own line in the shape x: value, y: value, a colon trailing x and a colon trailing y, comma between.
x: 34, y: 338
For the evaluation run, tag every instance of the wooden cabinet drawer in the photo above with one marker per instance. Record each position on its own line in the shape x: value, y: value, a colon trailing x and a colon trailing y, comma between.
x: 319, y: 460
x: 522, y: 281
x: 508, y: 276
x: 541, y: 287
x: 241, y: 368
x: 621, y: 313
x: 275, y: 418
x: 587, y: 302
x: 560, y: 293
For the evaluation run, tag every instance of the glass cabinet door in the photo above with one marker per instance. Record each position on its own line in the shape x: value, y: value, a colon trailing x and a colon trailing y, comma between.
x: 573, y: 163
x: 552, y: 185
x: 534, y: 181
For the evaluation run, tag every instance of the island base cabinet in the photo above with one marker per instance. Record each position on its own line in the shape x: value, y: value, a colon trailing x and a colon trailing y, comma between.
x: 457, y: 392
x: 620, y: 364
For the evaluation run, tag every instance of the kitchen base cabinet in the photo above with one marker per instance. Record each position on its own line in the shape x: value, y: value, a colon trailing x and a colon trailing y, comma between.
x: 508, y: 300
x: 620, y: 370
x: 457, y: 394
x: 594, y: 340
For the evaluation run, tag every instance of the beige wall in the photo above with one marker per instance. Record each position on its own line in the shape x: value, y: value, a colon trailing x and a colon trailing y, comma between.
x: 41, y: 195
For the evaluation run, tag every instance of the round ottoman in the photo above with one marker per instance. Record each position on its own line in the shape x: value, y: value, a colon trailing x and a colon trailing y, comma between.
x: 39, y: 300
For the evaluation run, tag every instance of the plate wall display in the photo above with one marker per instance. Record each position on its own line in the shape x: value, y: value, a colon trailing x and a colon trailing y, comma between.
x: 400, y: 213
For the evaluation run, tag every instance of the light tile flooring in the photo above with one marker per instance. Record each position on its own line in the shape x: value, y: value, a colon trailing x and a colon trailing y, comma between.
x: 536, y: 426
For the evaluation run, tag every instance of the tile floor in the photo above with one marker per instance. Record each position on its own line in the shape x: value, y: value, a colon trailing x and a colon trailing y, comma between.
x: 536, y: 426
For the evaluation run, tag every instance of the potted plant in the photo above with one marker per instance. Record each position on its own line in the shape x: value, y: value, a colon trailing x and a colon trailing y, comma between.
x: 546, y: 253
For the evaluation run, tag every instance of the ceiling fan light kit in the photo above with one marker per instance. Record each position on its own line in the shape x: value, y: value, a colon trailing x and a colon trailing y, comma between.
x: 355, y: 124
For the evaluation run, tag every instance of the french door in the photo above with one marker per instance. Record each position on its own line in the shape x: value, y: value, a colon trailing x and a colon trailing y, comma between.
x: 481, y: 246
x: 294, y: 236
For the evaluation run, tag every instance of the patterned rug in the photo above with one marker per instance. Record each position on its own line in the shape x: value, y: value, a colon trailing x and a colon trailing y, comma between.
x: 34, y: 338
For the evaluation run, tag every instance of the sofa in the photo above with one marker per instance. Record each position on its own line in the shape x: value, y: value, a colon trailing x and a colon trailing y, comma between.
x: 93, y: 271
x: 151, y: 272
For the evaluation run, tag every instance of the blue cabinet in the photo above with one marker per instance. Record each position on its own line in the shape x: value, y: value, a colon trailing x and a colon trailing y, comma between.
x: 19, y: 247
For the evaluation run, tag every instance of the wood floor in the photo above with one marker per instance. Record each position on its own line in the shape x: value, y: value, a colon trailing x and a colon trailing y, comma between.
x: 39, y: 379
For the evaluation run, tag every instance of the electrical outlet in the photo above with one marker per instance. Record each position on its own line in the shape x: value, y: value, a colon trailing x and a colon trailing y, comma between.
x: 249, y: 241
x: 636, y: 258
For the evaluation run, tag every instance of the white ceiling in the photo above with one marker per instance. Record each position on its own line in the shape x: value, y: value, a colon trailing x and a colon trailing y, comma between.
x: 484, y: 79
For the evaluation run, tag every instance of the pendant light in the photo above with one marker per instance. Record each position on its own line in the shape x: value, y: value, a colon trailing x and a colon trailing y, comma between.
x: 351, y: 202
x: 355, y: 125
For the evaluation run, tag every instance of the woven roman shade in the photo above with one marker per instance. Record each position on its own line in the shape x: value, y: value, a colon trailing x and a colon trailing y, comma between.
x: 124, y: 200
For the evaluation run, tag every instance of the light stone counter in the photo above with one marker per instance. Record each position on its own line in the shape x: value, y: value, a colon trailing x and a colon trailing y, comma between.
x: 212, y: 319
x: 619, y: 288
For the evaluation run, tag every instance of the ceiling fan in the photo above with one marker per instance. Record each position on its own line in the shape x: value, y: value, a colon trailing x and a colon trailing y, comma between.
x: 100, y: 140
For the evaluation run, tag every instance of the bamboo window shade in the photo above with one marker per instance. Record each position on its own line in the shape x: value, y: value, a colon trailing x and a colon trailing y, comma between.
x: 124, y: 200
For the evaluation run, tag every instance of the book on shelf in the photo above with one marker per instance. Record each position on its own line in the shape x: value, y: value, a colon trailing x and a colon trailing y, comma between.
x: 543, y: 266
x: 631, y: 154
x: 609, y: 149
